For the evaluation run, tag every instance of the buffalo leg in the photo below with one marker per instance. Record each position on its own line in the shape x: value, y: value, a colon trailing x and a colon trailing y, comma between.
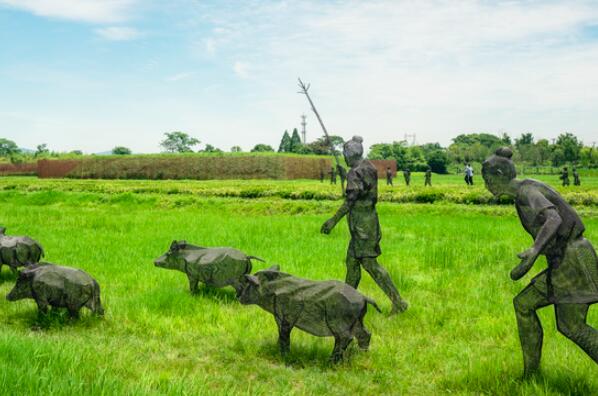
x: 284, y: 336
x: 42, y: 306
x: 340, y: 345
x: 73, y: 312
x: 362, y: 335
x: 193, y: 284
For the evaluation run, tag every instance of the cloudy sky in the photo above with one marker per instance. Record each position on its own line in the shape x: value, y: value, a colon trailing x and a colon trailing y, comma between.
x: 93, y: 74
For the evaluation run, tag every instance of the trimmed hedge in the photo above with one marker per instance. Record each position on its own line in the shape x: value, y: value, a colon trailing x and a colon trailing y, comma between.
x: 186, y: 167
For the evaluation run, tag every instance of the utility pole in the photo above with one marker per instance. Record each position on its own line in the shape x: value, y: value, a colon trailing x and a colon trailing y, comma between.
x: 409, y: 136
x: 303, y: 131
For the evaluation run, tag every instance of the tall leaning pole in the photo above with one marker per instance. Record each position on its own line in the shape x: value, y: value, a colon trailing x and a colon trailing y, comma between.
x: 304, y: 91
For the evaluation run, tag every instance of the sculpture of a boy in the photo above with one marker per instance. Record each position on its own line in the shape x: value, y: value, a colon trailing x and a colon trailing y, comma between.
x: 570, y: 282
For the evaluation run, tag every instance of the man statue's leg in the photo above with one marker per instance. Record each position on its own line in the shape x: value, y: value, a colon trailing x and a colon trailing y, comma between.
x: 383, y: 280
x: 530, y: 329
x: 571, y: 322
x: 353, y: 271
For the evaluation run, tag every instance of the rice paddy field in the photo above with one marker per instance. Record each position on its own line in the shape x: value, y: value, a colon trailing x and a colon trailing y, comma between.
x: 450, y: 258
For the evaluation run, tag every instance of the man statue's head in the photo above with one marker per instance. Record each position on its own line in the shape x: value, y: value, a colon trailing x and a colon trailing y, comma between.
x: 498, y: 171
x: 353, y: 150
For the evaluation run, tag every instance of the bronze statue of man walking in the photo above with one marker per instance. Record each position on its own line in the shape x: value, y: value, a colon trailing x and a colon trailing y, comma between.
x: 570, y: 282
x: 360, y: 207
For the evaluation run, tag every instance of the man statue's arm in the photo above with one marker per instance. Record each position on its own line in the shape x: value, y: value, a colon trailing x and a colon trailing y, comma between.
x: 546, y: 233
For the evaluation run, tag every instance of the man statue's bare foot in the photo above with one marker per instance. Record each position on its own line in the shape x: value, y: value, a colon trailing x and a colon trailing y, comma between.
x: 400, y: 307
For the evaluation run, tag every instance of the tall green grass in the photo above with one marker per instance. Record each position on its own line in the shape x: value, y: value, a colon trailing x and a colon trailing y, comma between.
x: 450, y: 261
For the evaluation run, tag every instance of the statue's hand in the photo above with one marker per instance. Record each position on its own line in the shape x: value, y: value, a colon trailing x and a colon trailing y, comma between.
x: 528, y: 258
x: 327, y: 226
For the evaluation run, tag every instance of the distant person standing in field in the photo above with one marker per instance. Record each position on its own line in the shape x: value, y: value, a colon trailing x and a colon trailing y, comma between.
x: 332, y: 175
x: 322, y: 175
x: 565, y: 176
x: 576, y: 181
x: 570, y: 282
x: 407, y: 176
x: 388, y: 176
x: 360, y: 208
x: 428, y: 180
x: 469, y: 175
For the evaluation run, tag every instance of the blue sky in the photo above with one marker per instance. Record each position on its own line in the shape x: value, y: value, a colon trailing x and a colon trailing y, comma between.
x: 93, y: 74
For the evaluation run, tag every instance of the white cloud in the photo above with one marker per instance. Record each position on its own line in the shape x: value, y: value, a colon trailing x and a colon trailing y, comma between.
x: 118, y: 33
x: 210, y: 45
x: 430, y: 67
x: 95, y: 11
x: 241, y: 69
x: 180, y: 76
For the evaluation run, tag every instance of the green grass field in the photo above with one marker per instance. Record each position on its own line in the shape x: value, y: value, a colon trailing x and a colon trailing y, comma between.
x: 450, y: 261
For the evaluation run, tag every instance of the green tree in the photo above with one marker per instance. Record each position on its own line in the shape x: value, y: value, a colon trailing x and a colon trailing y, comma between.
x: 589, y: 157
x: 236, y: 149
x: 526, y: 139
x: 438, y: 160
x: 260, y: 148
x: 475, y: 146
x: 524, y: 146
x: 285, y: 143
x: 570, y: 146
x: 42, y: 149
x: 121, y: 150
x: 415, y: 159
x: 321, y: 146
x: 558, y: 156
x: 178, y: 142
x: 8, y: 148
x: 396, y: 151
x: 542, y: 152
x: 211, y: 149
x: 295, y: 145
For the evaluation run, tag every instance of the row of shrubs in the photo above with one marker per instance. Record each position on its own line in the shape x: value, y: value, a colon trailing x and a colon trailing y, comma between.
x: 290, y: 190
x: 186, y: 167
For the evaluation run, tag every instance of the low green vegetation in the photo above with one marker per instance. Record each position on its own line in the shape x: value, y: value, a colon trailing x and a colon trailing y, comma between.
x: 450, y: 261
x: 445, y: 188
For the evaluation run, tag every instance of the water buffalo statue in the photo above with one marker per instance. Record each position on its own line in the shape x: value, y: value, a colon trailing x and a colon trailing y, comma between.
x: 321, y: 308
x: 58, y: 287
x: 18, y: 251
x: 216, y: 267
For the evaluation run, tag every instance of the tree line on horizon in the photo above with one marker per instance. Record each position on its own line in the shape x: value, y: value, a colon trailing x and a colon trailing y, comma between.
x: 465, y: 148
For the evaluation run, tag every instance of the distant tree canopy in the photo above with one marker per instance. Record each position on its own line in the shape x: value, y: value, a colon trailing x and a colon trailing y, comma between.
x: 475, y: 146
x: 415, y: 158
x: 121, y: 150
x: 236, y: 149
x: 261, y: 148
x: 178, y: 142
x: 285, y: 143
x: 570, y: 147
x: 210, y: 149
x: 296, y: 144
x: 8, y: 148
x: 321, y: 146
x: 41, y: 150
